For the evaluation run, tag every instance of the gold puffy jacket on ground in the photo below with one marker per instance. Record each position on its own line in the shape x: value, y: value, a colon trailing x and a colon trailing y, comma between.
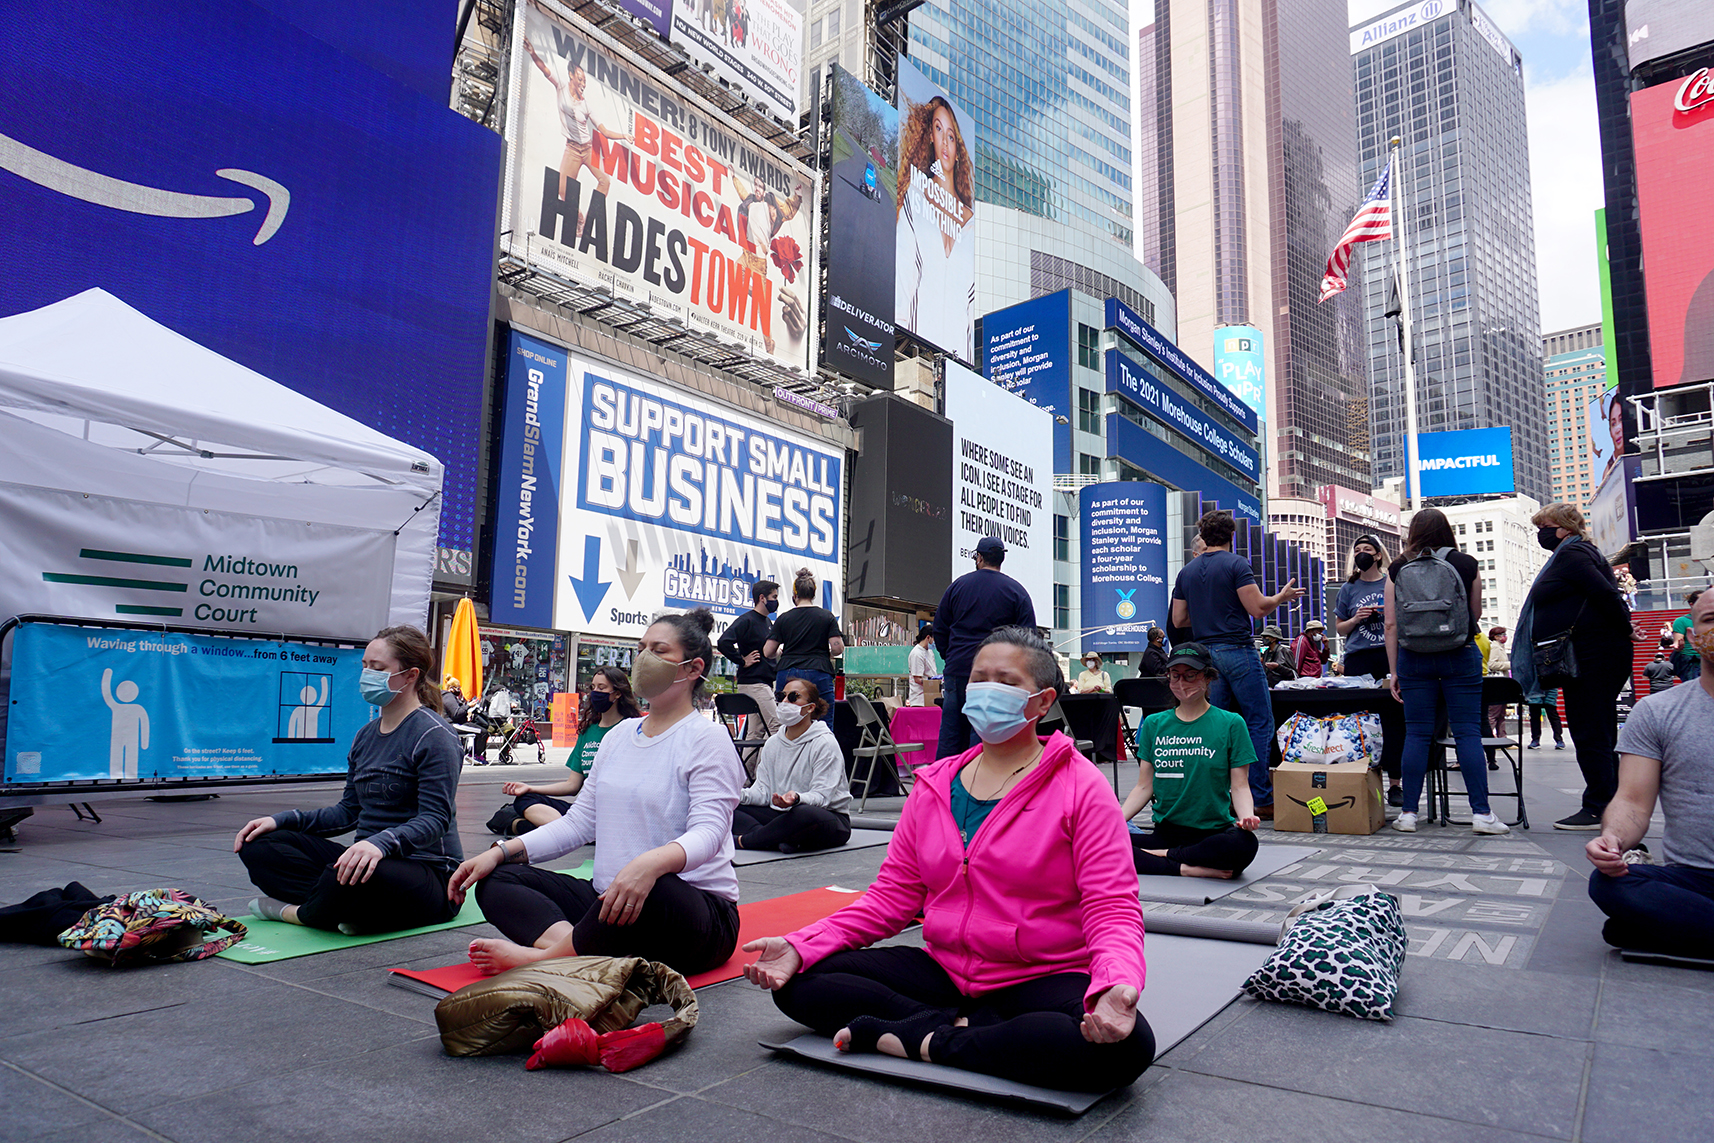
x: 511, y: 1011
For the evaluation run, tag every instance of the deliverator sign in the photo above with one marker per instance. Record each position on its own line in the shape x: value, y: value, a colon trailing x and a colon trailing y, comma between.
x: 1465, y: 462
x: 105, y: 703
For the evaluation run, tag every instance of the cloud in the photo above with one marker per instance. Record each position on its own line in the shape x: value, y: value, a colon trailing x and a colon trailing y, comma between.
x: 1565, y: 186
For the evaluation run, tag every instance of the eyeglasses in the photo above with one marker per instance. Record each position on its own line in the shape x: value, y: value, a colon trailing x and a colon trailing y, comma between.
x: 1184, y: 676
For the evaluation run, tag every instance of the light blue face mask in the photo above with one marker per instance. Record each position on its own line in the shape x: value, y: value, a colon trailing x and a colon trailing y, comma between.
x: 376, y: 686
x: 996, y: 710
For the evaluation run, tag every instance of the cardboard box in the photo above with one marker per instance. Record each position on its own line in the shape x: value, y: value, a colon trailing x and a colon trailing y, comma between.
x: 1318, y: 798
x: 930, y: 691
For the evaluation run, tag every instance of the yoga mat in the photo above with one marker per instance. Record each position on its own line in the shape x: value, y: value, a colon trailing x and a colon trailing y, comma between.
x: 1189, y: 981
x: 870, y: 821
x: 1211, y: 928
x: 774, y: 917
x: 269, y: 941
x: 1270, y: 859
x: 1639, y: 956
x: 860, y: 839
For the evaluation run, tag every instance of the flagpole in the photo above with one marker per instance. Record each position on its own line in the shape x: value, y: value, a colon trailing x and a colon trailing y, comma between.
x: 1396, y: 192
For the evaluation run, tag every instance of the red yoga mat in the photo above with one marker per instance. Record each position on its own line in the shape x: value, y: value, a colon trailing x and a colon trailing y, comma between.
x: 772, y: 918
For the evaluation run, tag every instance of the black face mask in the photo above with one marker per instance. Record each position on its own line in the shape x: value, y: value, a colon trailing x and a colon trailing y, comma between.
x: 1365, y: 561
x: 1548, y: 536
x: 599, y: 701
x: 773, y: 606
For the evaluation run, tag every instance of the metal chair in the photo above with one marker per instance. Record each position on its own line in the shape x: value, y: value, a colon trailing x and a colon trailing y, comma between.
x: 1150, y: 695
x: 1497, y: 690
x: 875, y: 741
x: 733, y: 707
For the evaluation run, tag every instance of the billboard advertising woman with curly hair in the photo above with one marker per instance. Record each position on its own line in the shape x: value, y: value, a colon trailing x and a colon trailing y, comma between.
x: 935, y: 284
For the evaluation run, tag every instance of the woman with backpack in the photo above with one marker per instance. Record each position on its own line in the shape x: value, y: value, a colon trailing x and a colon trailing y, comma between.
x: 1433, y: 606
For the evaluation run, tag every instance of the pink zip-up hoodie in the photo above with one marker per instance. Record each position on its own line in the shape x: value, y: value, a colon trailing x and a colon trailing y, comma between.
x: 1047, y: 886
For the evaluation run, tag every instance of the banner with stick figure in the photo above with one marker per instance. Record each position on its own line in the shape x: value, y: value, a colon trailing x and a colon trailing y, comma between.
x: 100, y: 703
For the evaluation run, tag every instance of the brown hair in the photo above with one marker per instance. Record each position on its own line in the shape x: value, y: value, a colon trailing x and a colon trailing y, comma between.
x: 691, y: 630
x: 1562, y: 515
x: 916, y: 152
x: 623, y: 697
x: 803, y: 587
x: 411, y: 648
x: 817, y: 704
x: 1216, y: 528
x: 1429, y: 529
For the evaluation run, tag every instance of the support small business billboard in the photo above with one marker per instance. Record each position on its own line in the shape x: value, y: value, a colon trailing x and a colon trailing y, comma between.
x: 1465, y: 462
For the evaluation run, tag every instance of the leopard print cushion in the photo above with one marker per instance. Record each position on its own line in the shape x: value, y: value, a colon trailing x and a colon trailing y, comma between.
x: 1343, y: 957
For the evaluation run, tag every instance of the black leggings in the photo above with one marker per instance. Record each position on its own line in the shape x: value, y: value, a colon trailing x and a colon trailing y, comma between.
x: 1229, y: 848
x: 524, y: 801
x: 683, y: 927
x: 1028, y: 1033
x: 297, y: 868
x: 1552, y: 718
x: 797, y: 830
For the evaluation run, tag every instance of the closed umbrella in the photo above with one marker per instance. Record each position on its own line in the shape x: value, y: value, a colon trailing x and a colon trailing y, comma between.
x: 463, y: 657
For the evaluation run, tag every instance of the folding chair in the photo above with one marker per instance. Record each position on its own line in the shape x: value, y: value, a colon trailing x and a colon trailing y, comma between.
x: 1057, y: 719
x: 1497, y: 690
x: 731, y: 708
x: 1148, y: 695
x: 875, y: 741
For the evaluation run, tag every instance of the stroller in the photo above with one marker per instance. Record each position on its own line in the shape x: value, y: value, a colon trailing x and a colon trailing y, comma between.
x: 518, y: 729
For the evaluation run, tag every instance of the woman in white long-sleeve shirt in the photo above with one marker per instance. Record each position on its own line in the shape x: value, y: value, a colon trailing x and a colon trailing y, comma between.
x: 800, y: 797
x: 658, y: 805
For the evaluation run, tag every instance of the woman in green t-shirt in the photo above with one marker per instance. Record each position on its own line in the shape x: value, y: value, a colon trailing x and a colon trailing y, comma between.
x: 1195, y: 768
x: 608, y: 703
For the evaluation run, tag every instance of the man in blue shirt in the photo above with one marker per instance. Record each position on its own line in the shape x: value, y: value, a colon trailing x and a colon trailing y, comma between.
x: 972, y: 607
x: 1216, y: 597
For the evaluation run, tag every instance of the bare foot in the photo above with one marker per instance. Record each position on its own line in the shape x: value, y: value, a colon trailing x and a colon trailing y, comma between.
x: 1204, y: 871
x: 497, y: 956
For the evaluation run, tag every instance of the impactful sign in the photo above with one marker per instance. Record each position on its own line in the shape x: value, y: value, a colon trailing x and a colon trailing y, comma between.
x: 1672, y: 126
x: 1465, y: 462
x: 1150, y: 340
x: 1142, y: 449
x: 861, y: 207
x: 934, y: 277
x: 1128, y: 379
x: 625, y: 185
x: 1124, y: 564
x: 1398, y: 22
x: 70, y: 554
x: 1240, y: 366
x: 94, y: 703
x: 756, y: 44
x: 1026, y: 350
x: 1002, y: 480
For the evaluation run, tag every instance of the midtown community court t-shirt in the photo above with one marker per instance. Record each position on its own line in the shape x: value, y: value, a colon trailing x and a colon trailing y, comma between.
x: 1193, y: 764
x: 583, y: 751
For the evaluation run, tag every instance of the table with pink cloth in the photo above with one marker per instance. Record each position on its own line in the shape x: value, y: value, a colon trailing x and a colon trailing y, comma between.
x: 917, y: 724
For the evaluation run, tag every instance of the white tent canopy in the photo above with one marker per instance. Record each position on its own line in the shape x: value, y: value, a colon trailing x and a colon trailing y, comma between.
x: 119, y: 436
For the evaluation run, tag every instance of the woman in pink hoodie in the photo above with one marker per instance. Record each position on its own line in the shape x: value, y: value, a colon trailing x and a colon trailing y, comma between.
x: 1016, y: 857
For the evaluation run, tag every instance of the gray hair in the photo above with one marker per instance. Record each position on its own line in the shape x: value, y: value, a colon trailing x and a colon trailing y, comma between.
x: 1038, y: 656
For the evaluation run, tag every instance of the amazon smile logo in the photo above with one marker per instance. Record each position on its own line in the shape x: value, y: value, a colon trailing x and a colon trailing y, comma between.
x: 103, y: 190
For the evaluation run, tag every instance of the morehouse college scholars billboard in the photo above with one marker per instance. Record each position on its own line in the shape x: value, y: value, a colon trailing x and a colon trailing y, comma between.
x: 619, y: 496
x: 1672, y: 125
x: 620, y: 182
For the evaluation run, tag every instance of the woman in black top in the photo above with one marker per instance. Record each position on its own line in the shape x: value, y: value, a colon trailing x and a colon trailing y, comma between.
x: 1426, y: 681
x: 805, y: 639
x: 1575, y: 591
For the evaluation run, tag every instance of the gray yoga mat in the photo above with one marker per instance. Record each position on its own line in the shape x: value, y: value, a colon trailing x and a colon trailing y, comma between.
x: 1190, y: 980
x: 1638, y: 956
x: 871, y: 821
x: 1210, y: 928
x: 1270, y: 859
x: 860, y: 839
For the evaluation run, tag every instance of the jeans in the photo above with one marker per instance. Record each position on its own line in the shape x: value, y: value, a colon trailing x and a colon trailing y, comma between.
x: 823, y: 683
x: 1536, y: 709
x: 1685, y: 665
x: 955, y: 733
x: 1451, y: 682
x: 1243, y: 687
x: 1592, y: 717
x: 1658, y: 908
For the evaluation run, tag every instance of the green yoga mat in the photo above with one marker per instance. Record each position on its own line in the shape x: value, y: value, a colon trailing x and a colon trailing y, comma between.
x: 269, y: 941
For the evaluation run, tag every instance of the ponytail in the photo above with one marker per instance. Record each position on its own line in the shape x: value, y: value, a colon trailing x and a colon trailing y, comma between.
x: 411, y: 647
x: 804, y: 587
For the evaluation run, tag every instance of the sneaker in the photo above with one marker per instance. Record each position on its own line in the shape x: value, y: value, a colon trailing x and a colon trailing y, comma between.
x: 1582, y: 819
x: 1559, y: 744
x: 1488, y: 824
x: 1396, y: 796
x: 1535, y: 744
x: 1405, y: 822
x: 1638, y: 855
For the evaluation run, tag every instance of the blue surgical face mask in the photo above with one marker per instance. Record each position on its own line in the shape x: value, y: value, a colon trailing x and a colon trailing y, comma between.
x: 376, y: 686
x: 996, y: 710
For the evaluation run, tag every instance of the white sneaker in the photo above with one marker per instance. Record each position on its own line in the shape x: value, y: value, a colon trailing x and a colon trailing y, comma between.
x: 1488, y: 824
x: 1405, y: 822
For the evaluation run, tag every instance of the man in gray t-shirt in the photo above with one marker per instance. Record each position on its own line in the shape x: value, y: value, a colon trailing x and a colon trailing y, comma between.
x: 1664, y: 755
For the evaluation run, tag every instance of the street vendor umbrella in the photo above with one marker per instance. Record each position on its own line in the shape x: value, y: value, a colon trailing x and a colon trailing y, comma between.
x: 463, y: 657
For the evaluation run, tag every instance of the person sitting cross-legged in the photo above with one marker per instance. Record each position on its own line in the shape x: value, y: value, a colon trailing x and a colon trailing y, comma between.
x: 1014, y: 854
x: 799, y: 799
x: 1195, y: 768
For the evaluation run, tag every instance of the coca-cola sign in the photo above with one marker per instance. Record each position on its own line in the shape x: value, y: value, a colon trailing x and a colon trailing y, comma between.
x: 1697, y: 91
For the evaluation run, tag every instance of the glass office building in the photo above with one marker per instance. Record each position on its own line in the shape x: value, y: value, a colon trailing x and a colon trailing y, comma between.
x: 1576, y: 382
x: 1452, y: 88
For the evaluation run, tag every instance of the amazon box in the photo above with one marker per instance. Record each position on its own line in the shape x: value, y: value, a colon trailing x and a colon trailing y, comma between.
x: 1311, y: 797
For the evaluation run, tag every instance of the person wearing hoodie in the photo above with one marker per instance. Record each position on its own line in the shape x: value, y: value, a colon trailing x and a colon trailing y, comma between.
x: 799, y: 800
x: 1016, y: 857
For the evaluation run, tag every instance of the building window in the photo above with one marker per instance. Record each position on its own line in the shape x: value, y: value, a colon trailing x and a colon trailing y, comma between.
x: 1089, y: 465
x: 833, y: 23
x: 1062, y: 537
x: 1089, y: 411
x: 815, y: 34
x: 1062, y: 606
x: 1088, y: 346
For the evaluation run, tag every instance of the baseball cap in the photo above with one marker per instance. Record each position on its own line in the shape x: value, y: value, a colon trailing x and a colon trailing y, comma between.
x: 990, y: 546
x: 1191, y: 655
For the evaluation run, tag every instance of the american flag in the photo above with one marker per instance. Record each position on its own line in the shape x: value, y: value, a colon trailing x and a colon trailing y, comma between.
x: 1374, y: 220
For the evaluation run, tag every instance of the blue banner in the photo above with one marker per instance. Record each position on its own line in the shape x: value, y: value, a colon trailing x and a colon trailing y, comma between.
x: 1124, y: 564
x: 1149, y: 339
x: 1026, y: 349
x: 1129, y: 441
x: 103, y: 703
x: 1465, y: 462
x: 1130, y: 381
x: 532, y: 450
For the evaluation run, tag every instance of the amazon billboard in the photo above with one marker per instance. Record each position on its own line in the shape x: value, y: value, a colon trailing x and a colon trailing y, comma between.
x: 264, y: 194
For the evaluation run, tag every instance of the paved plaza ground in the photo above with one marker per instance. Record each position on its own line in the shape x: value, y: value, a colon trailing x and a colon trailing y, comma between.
x: 1516, y: 1022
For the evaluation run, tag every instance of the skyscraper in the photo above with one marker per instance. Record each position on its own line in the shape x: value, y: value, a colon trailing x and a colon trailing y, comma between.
x: 1452, y: 88
x: 1578, y: 406
x: 1247, y: 174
